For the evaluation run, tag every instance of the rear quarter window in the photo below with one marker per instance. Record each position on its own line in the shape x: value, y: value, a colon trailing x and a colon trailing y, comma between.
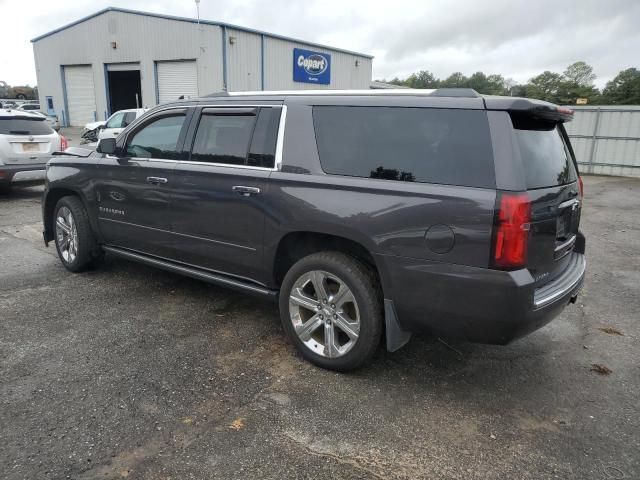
x: 432, y: 145
x: 24, y: 126
x: 546, y: 158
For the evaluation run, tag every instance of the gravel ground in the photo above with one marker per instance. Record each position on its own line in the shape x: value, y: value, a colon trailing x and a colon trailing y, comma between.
x: 127, y: 371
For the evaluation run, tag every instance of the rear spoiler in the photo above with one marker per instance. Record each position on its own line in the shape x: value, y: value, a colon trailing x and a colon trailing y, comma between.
x: 536, y: 109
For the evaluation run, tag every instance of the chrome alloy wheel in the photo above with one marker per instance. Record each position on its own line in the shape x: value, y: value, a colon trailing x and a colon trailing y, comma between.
x: 324, y: 313
x: 66, y: 235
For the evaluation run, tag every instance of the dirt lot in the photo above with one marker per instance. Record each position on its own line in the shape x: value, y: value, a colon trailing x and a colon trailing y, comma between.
x: 132, y: 372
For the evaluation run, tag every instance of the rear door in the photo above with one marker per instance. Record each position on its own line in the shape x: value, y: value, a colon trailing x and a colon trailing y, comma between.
x: 218, y: 206
x: 134, y: 189
x: 26, y: 140
x: 551, y: 178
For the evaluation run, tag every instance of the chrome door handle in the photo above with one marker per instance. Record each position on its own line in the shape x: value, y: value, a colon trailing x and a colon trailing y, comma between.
x: 245, y: 191
x: 156, y: 180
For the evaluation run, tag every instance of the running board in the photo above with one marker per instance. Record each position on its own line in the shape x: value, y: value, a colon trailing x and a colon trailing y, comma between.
x: 196, y: 273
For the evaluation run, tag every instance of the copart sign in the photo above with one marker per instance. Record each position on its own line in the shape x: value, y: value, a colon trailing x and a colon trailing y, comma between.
x: 311, y: 67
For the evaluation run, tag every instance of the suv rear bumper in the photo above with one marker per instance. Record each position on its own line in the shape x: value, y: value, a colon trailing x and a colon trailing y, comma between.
x: 476, y: 304
x: 23, y: 174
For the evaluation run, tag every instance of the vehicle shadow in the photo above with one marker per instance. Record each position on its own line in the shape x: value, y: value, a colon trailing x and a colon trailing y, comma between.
x: 425, y: 363
x: 21, y: 193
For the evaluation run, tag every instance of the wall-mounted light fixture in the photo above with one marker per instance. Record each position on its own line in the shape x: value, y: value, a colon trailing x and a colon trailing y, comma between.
x: 232, y: 40
x: 114, y: 45
x: 357, y: 63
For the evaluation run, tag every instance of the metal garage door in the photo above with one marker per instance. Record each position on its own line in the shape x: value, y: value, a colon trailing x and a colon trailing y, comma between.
x: 176, y: 79
x: 81, y: 96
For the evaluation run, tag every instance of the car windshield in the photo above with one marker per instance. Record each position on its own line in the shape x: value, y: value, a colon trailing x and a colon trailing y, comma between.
x: 24, y: 126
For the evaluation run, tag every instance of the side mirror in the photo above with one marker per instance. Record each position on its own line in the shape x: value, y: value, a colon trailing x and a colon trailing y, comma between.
x: 107, y: 145
x: 101, y: 127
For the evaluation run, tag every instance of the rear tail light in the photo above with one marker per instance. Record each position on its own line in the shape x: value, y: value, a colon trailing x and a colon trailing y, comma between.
x: 63, y: 143
x: 581, y: 187
x: 511, y: 231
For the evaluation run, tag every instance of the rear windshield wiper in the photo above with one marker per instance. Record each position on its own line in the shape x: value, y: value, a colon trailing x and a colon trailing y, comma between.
x: 19, y: 132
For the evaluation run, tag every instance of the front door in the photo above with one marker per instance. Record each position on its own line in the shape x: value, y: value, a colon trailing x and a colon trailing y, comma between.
x: 134, y: 188
x: 221, y: 193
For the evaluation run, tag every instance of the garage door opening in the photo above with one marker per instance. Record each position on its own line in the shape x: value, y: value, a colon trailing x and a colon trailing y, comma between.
x: 124, y: 89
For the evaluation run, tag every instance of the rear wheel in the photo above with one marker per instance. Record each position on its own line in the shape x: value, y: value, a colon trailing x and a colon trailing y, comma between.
x: 74, y: 239
x: 331, y: 309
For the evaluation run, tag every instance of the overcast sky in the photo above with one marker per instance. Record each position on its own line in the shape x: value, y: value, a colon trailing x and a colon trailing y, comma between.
x: 518, y: 39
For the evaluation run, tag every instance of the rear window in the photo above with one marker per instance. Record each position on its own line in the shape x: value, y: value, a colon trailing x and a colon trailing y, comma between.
x: 430, y: 145
x: 24, y: 126
x: 546, y: 158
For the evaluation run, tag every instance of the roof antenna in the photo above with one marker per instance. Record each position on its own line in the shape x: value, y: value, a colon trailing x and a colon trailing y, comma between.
x: 198, y: 10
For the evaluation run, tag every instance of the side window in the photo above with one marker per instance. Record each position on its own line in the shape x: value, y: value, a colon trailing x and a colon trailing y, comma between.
x: 432, y: 145
x: 157, y: 139
x: 223, y: 138
x: 128, y: 118
x: 115, y: 121
x: 263, y: 145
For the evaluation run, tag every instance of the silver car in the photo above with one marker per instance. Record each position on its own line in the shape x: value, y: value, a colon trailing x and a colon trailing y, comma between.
x: 27, y: 142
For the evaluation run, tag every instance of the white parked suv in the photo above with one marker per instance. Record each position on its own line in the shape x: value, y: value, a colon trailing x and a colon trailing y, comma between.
x: 27, y: 142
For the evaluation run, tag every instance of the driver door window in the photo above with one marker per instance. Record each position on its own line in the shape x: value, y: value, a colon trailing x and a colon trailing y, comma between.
x: 157, y: 139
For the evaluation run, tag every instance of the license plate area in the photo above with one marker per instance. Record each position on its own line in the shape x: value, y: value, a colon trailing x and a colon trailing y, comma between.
x: 30, y: 147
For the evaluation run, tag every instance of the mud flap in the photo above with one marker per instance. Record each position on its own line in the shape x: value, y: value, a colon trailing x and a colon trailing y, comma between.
x: 396, y: 336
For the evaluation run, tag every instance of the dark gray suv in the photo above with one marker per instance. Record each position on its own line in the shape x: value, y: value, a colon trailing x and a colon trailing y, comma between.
x: 365, y: 214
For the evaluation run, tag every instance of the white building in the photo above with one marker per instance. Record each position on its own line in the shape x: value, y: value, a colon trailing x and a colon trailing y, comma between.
x: 119, y: 58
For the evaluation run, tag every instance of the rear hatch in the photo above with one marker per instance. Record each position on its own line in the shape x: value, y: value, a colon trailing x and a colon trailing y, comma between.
x: 554, y: 190
x: 26, y: 140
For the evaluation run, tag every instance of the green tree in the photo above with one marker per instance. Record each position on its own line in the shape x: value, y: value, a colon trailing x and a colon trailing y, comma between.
x: 546, y: 86
x: 624, y: 89
x: 497, y: 85
x: 517, y: 90
x: 479, y: 82
x: 580, y: 73
x: 455, y: 80
x: 422, y: 79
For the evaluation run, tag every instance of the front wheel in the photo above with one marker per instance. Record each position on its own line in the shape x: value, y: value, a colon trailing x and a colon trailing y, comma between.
x: 331, y: 309
x: 74, y: 239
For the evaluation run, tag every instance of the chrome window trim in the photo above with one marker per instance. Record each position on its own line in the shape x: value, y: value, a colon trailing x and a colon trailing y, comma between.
x: 279, y: 140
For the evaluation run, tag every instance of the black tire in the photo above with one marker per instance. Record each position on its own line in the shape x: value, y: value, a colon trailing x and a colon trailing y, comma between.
x: 363, y: 283
x: 88, y: 251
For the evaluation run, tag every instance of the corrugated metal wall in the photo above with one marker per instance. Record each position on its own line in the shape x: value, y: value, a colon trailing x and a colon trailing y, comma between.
x: 243, y: 61
x: 254, y: 61
x: 606, y: 140
x: 278, y: 68
x: 138, y: 38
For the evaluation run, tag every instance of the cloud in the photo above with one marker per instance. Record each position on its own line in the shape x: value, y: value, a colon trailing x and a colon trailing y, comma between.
x: 516, y: 38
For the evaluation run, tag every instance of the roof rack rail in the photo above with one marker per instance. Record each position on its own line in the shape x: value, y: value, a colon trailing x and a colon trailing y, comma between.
x: 439, y: 92
x: 455, y: 92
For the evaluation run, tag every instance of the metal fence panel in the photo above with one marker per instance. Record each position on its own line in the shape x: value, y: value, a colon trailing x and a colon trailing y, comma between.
x: 606, y: 140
